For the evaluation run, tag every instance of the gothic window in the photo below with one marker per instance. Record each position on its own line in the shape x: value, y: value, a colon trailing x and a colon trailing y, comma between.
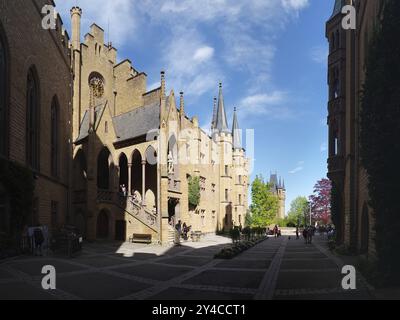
x: 3, y: 96
x: 54, y: 143
x: 96, y: 86
x: 226, y: 195
x: 32, y: 120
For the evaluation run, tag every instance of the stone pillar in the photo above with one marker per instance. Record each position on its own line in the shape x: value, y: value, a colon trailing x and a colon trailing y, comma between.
x: 144, y: 182
x: 129, y: 179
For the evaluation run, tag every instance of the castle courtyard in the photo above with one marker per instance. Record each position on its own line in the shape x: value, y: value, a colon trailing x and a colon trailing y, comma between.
x: 276, y: 268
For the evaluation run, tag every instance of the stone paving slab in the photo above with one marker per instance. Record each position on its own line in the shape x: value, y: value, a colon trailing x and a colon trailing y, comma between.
x: 99, y: 286
x: 304, y: 255
x: 22, y: 291
x: 176, y: 293
x: 102, y: 261
x: 34, y: 267
x: 242, y: 263
x: 308, y: 264
x: 309, y: 280
x: 186, y: 260
x: 5, y: 275
x: 154, y: 271
x: 241, y: 279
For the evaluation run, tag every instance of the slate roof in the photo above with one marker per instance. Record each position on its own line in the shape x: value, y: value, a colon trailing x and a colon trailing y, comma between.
x: 84, y: 129
x: 128, y: 125
x: 237, y: 141
x: 221, y: 123
x: 137, y: 122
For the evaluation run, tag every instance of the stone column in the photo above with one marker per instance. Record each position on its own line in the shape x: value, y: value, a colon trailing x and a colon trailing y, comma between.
x: 129, y: 179
x: 144, y: 182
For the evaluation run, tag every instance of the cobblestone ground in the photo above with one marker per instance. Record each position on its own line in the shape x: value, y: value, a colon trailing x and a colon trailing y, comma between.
x: 273, y: 269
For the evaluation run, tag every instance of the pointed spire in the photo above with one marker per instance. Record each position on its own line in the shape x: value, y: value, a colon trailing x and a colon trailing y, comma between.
x: 280, y: 183
x: 181, y: 104
x: 214, y: 117
x: 221, y: 123
x: 236, y: 132
x: 284, y: 184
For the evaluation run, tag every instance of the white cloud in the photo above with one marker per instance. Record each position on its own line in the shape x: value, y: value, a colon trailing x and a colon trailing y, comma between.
x: 319, y: 54
x: 243, y: 39
x: 295, y: 4
x: 189, y: 63
x: 270, y: 104
x: 116, y: 17
x: 298, y: 168
x: 203, y: 54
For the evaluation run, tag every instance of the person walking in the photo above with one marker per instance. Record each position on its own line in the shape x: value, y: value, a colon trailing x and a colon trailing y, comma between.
x: 297, y: 233
x: 305, y: 235
x: 38, y: 240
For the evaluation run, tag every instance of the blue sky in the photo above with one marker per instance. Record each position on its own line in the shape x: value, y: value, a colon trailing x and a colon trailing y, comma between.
x: 269, y: 54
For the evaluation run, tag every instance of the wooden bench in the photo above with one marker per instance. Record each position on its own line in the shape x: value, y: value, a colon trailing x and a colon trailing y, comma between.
x: 140, y: 237
x: 195, y: 235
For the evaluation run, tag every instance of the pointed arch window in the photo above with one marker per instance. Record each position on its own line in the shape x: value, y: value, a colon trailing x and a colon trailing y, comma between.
x: 3, y: 95
x: 32, y: 119
x: 54, y: 143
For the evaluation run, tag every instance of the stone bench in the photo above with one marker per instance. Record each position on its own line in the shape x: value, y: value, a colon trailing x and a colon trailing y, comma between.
x: 140, y: 237
x: 195, y: 235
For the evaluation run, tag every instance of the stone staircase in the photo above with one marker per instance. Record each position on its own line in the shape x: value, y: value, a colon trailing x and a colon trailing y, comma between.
x: 171, y: 235
x: 131, y: 206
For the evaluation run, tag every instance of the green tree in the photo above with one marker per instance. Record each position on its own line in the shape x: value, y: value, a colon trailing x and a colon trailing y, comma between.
x: 379, y: 137
x: 248, y: 219
x: 297, y: 209
x: 194, y: 191
x: 264, y: 207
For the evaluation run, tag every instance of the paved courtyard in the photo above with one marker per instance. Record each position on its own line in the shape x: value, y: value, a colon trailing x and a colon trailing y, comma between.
x: 280, y: 268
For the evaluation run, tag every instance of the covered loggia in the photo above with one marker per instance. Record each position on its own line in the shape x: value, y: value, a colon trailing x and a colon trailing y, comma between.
x: 136, y: 175
x: 151, y: 179
x: 123, y: 172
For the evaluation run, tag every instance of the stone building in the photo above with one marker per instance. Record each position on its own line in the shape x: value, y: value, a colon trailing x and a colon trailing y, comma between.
x: 135, y: 151
x: 278, y: 189
x: 346, y: 75
x: 107, y: 154
x: 35, y: 110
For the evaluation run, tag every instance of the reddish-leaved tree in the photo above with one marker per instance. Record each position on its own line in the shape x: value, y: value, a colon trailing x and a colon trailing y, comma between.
x: 321, y: 201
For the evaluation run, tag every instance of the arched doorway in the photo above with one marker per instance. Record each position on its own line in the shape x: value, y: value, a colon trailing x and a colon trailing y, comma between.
x: 151, y: 179
x: 104, y: 162
x: 364, y: 229
x: 102, y: 225
x: 123, y: 170
x: 136, y: 172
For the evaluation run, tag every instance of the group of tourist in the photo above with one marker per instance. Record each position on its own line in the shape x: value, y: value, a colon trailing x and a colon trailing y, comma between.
x: 182, y: 229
